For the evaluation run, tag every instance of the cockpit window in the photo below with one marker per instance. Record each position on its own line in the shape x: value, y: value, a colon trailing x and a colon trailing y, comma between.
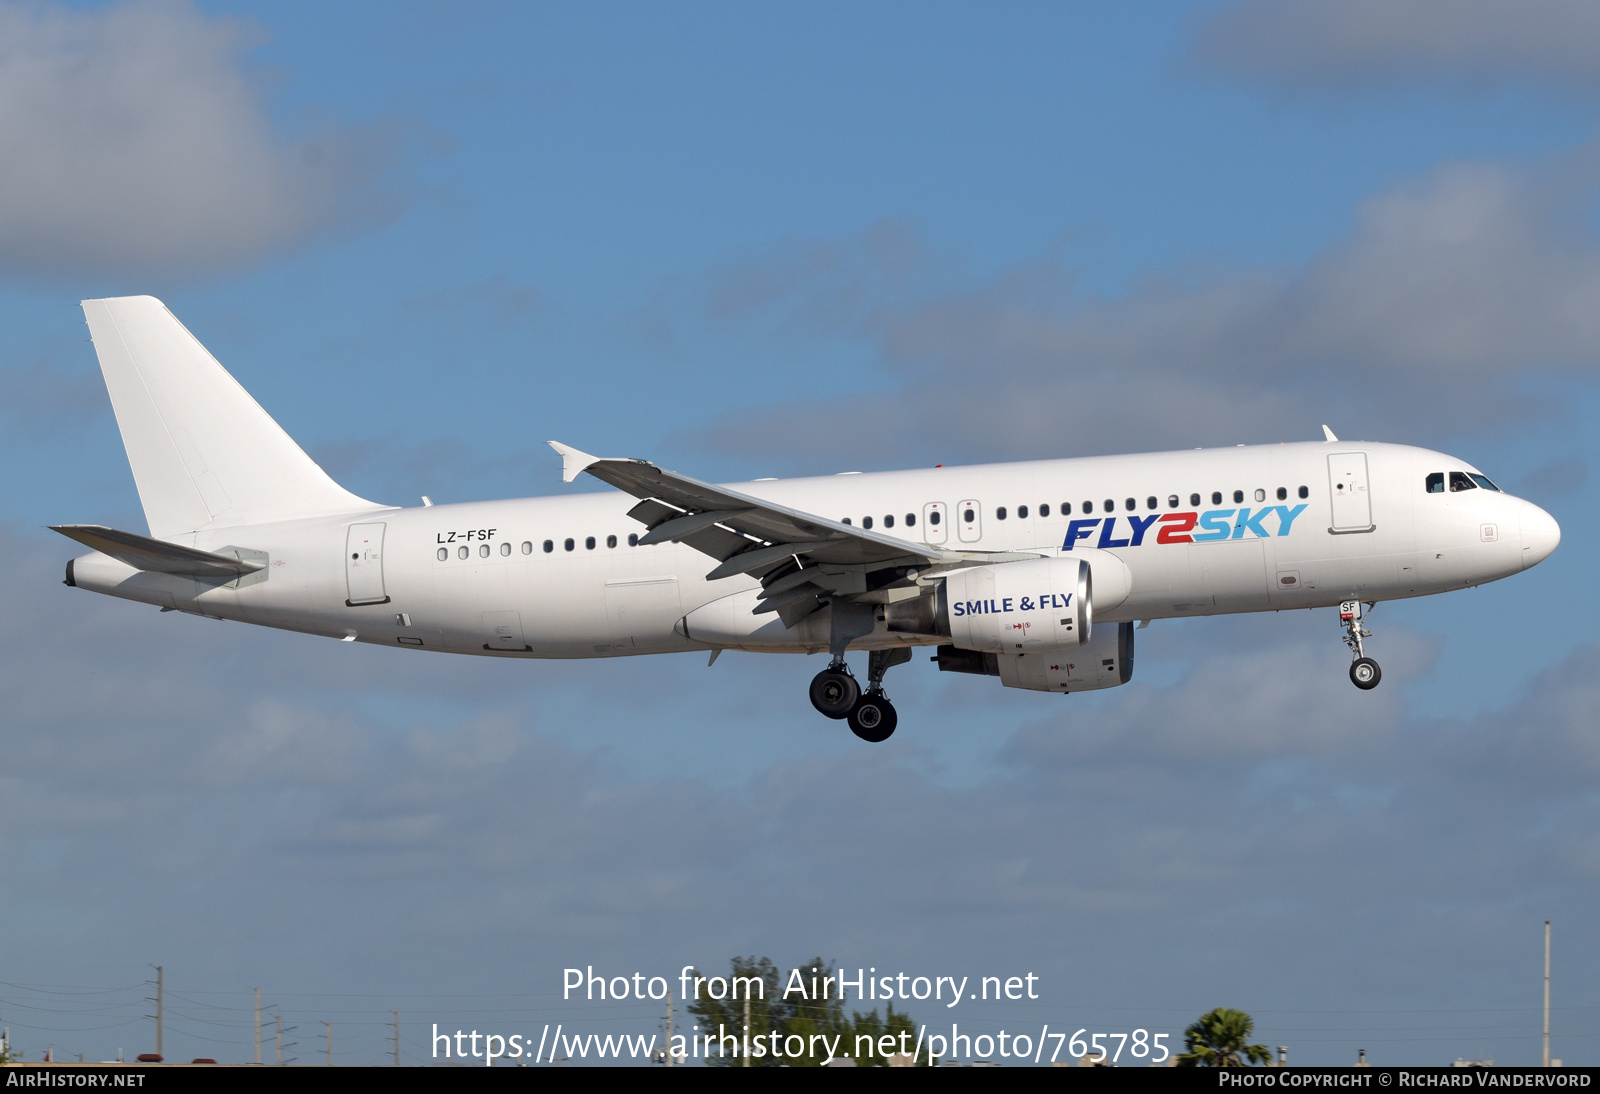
x: 1460, y: 481
x: 1436, y: 483
x: 1483, y: 481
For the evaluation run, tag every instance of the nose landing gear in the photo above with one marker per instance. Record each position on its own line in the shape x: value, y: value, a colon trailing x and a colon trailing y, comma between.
x: 1364, y: 671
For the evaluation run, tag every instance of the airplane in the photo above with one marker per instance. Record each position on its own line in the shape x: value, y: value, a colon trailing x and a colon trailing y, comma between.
x: 1034, y: 572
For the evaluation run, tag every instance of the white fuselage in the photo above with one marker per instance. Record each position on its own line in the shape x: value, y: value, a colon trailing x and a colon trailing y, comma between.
x: 556, y: 577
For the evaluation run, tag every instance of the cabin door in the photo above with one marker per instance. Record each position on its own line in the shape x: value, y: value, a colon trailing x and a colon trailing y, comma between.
x: 1347, y: 483
x: 363, y: 564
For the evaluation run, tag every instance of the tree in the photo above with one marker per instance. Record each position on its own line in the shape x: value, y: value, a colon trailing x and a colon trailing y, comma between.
x: 1220, y: 1039
x: 757, y: 977
x: 870, y: 1026
x: 803, y: 1004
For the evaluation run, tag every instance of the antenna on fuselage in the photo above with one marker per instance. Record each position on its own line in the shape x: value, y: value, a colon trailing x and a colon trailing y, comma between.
x: 1328, y: 434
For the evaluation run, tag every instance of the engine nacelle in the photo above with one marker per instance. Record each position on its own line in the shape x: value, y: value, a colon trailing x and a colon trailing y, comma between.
x: 1105, y: 661
x: 1038, y: 604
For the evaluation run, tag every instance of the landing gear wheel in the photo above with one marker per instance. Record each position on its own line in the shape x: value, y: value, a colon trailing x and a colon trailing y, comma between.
x: 1365, y: 673
x: 873, y: 718
x: 834, y: 693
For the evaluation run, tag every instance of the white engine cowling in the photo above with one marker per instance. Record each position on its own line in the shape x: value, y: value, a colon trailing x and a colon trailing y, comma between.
x: 1039, y: 604
x: 1105, y: 661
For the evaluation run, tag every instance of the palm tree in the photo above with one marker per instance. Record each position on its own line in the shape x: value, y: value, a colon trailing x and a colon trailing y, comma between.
x: 1219, y: 1039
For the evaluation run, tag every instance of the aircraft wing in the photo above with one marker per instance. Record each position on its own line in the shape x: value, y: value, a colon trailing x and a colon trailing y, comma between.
x: 798, y: 556
x: 144, y: 553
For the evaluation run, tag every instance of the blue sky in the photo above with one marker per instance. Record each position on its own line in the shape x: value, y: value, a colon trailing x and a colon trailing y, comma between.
x: 760, y: 241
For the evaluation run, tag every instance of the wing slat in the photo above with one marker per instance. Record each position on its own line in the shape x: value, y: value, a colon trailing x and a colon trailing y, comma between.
x: 763, y: 534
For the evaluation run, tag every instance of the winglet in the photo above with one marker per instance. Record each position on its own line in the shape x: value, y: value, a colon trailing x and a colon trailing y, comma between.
x: 1326, y: 432
x: 573, y: 462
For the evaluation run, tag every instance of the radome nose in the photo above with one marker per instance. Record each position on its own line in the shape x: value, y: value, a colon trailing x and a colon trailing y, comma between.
x: 1540, y: 535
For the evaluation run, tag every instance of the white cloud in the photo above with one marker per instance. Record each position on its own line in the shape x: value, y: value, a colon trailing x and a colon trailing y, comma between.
x: 1303, y: 44
x: 1257, y: 831
x: 132, y: 143
x: 1449, y: 290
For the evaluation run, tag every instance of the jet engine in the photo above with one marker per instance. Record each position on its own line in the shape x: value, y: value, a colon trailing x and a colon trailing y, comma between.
x: 1033, y: 604
x: 1105, y: 661
x: 1039, y: 604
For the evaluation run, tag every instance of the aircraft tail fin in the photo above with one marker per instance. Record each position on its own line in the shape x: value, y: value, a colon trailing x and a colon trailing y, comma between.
x: 204, y: 454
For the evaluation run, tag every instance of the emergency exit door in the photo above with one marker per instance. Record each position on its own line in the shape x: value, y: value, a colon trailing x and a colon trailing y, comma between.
x: 969, y: 521
x: 363, y: 565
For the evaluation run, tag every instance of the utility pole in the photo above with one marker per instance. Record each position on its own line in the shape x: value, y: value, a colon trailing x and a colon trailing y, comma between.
x: 1547, y: 993
x: 158, y: 1008
x: 396, y: 1038
x: 669, y: 1028
x: 278, y: 1051
x: 746, y: 1061
x: 330, y: 1042
x: 258, y: 1025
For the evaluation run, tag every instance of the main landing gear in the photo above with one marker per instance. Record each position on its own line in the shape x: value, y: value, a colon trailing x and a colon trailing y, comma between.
x: 1364, y: 671
x: 836, y: 694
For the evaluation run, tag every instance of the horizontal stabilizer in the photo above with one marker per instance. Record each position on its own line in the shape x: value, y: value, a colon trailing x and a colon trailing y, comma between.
x: 144, y: 553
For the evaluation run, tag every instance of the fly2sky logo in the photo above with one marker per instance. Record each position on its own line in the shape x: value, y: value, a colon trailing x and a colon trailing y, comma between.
x: 1214, y: 524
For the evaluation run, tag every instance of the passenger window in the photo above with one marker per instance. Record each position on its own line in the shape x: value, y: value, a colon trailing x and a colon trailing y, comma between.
x: 1483, y: 481
x: 444, y: 553
x: 1305, y: 493
x: 1088, y: 507
x: 1238, y: 496
x: 888, y: 520
x: 505, y: 548
x: 1216, y: 497
x: 933, y: 517
x: 1110, y: 506
x: 1283, y: 493
x: 527, y: 546
x: 1150, y: 503
x: 1129, y: 503
x: 1000, y: 513
x: 1044, y: 510
x: 1459, y: 481
x: 911, y: 520
x: 611, y: 541
x: 633, y: 539
x: 969, y: 516
x: 549, y: 545
x: 1172, y: 501
x: 568, y: 544
x: 588, y: 544
x: 1194, y: 499
x: 846, y: 520
x: 1261, y: 495
x: 461, y: 552
x: 866, y: 522
x: 1436, y: 483
x: 483, y: 552
x: 1022, y: 512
